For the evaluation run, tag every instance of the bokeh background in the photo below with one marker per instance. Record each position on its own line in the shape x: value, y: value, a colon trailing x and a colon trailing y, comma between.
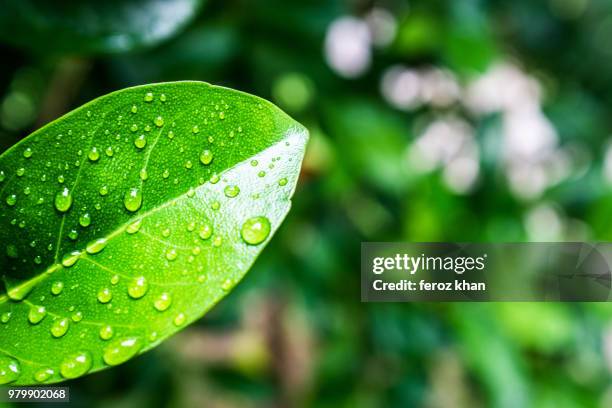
x: 470, y: 120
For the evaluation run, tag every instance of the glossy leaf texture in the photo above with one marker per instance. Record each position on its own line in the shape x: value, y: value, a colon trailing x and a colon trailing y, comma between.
x: 130, y: 217
x: 90, y: 26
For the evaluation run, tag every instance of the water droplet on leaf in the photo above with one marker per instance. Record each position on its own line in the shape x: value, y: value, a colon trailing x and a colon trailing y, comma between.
x: 255, y: 230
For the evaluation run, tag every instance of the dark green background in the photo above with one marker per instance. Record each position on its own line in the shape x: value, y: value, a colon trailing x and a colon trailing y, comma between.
x: 294, y: 332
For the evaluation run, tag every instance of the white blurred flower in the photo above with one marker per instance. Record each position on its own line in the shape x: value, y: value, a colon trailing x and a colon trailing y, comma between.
x: 449, y: 144
x: 401, y: 87
x: 531, y: 154
x: 382, y: 25
x: 347, y: 46
x: 544, y: 224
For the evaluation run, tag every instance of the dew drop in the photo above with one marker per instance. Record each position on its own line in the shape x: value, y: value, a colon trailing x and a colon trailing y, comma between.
x: 255, y: 230
x: 70, y: 259
x: 282, y: 182
x: 195, y: 129
x: 27, y: 153
x: 133, y: 199
x: 134, y: 109
x: 6, y: 316
x: 9, y: 369
x: 148, y: 97
x: 76, y: 365
x: 43, y: 374
x: 105, y: 295
x: 94, y: 154
x: 60, y: 327
x: 159, y: 121
x: 103, y: 190
x: 215, y: 205
x: 171, y: 254
x: 121, y: 350
x: 106, y: 332
x: 11, y: 200
x: 63, y: 200
x: 206, y: 157
x: 85, y: 220
x: 138, y: 287
x: 96, y: 246
x: 163, y: 302
x: 134, y: 227
x: 206, y: 232
x: 231, y: 191
x: 227, y: 285
x: 57, y: 287
x: 36, y: 314
x: 140, y: 142
x: 179, y: 319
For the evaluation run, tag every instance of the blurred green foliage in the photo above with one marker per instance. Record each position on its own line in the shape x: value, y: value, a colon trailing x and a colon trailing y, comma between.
x: 520, y: 86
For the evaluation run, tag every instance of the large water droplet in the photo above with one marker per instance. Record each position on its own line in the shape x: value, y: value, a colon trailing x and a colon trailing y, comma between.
x: 121, y: 350
x: 138, y: 287
x: 206, y: 232
x: 70, y: 259
x: 171, y: 254
x: 163, y: 302
x: 11, y: 200
x: 96, y: 246
x: 6, y: 316
x: 106, y: 332
x: 133, y: 199
x: 179, y: 319
x: 85, y: 220
x: 255, y: 230
x: 57, y: 287
x: 36, y: 314
x: 60, y: 327
x: 94, y: 154
x: 206, y: 157
x: 63, y: 200
x: 76, y: 365
x: 140, y: 142
x: 9, y: 369
x: 43, y: 374
x: 231, y: 191
x: 105, y: 295
x: 134, y: 227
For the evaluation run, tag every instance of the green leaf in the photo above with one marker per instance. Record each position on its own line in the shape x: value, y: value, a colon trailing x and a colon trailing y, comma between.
x: 130, y: 217
x: 91, y: 26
